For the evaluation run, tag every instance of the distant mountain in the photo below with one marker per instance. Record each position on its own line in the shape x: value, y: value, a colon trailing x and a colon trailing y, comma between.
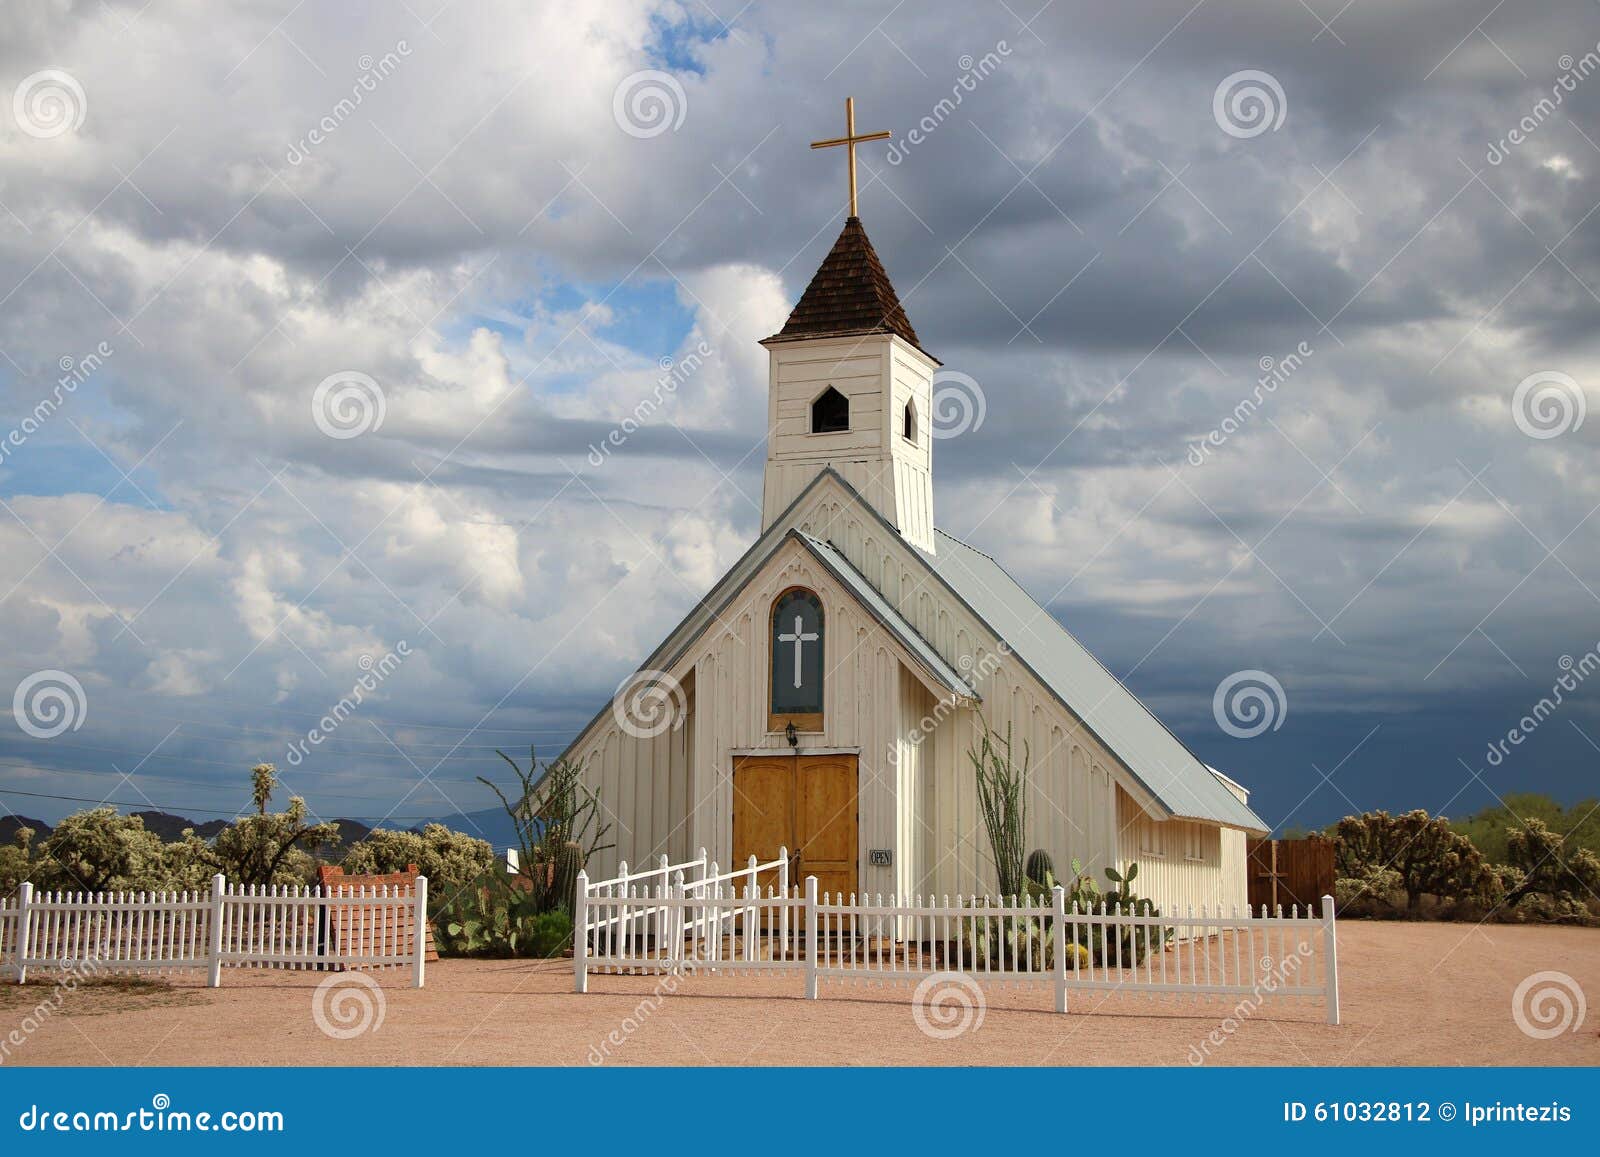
x: 10, y: 824
x: 171, y: 828
x: 352, y: 831
x: 490, y: 824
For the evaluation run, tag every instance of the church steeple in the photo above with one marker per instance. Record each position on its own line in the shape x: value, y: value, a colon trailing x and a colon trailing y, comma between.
x: 850, y: 294
x: 850, y: 387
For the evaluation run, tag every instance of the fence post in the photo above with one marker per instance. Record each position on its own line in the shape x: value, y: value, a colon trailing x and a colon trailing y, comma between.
x: 420, y: 926
x: 783, y: 909
x: 215, y: 947
x: 812, y: 938
x: 1330, y: 950
x: 580, y: 934
x: 1058, y: 900
x: 24, y: 930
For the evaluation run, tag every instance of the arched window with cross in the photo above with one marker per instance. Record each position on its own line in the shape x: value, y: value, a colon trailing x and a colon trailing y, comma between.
x: 796, y: 661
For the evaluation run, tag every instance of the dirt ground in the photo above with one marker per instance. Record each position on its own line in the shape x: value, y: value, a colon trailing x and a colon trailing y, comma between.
x: 1412, y: 994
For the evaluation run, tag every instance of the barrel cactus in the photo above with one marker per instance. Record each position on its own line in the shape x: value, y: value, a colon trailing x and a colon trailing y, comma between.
x: 1041, y: 869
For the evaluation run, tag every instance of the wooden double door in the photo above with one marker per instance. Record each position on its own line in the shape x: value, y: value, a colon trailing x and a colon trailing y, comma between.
x: 806, y: 803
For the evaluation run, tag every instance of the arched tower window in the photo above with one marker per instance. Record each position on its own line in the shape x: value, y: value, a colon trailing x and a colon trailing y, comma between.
x: 830, y: 413
x: 908, y: 423
x: 796, y: 661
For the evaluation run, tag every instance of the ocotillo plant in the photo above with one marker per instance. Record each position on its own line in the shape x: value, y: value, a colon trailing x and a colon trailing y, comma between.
x: 1003, y: 800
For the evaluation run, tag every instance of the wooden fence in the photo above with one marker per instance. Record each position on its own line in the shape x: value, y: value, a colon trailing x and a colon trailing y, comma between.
x: 235, y: 925
x: 1289, y: 872
x: 664, y: 921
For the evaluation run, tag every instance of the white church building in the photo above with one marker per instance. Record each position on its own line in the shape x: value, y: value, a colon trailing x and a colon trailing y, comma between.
x: 824, y: 694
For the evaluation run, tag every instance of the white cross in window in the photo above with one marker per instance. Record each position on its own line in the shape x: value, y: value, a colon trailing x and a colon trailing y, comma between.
x: 799, y: 638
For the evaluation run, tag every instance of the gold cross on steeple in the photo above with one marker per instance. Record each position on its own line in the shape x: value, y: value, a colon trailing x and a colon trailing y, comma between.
x: 849, y: 141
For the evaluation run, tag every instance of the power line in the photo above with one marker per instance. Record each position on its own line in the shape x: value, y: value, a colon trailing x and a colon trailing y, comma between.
x: 389, y: 723
x: 437, y: 781
x: 171, y: 809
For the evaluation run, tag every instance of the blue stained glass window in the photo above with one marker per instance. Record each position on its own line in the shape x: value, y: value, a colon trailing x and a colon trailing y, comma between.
x: 797, y: 654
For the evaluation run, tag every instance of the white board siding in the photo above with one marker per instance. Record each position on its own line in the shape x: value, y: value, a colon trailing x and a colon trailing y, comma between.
x: 878, y: 373
x: 1167, y: 873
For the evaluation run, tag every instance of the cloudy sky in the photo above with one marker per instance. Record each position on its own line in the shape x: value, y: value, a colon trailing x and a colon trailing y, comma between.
x: 310, y: 314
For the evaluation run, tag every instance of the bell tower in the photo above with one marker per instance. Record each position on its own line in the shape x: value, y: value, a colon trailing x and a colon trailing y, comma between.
x: 850, y: 387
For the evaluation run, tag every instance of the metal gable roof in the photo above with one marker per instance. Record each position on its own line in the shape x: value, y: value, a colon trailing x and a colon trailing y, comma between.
x: 1155, y: 757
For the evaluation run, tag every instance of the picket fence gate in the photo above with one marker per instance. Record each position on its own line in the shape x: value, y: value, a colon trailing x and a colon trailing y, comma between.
x: 690, y: 918
x: 241, y: 926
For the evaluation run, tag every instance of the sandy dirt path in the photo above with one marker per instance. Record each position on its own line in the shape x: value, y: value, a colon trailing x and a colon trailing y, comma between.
x: 1413, y: 994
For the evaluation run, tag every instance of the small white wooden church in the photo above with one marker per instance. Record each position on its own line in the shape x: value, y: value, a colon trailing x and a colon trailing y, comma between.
x: 824, y: 694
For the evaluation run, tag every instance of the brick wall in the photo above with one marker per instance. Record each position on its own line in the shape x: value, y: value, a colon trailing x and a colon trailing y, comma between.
x: 376, y: 930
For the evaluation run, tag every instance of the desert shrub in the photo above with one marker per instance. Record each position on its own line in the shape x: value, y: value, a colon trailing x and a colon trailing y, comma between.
x: 1375, y: 891
x: 451, y: 860
x: 1430, y: 857
x: 16, y: 861
x: 271, y: 847
x: 101, y: 850
x: 1547, y: 878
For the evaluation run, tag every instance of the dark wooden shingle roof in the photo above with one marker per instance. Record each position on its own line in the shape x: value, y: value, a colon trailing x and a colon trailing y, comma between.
x: 850, y: 294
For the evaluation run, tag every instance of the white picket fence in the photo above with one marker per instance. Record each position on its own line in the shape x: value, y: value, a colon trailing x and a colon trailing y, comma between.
x: 689, y: 918
x: 235, y: 925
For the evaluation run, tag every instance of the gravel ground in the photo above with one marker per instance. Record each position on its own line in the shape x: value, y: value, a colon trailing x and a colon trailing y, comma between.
x: 1413, y: 994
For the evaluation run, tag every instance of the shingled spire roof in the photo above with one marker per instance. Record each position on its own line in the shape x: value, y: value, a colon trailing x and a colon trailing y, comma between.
x: 850, y: 294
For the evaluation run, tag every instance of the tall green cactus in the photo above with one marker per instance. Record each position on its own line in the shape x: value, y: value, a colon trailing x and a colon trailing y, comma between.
x: 567, y: 860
